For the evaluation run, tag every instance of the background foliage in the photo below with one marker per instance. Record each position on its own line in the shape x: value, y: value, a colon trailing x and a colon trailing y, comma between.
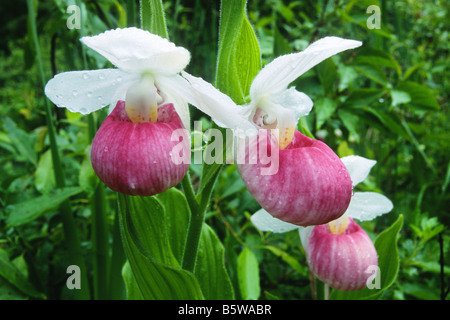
x: 387, y: 100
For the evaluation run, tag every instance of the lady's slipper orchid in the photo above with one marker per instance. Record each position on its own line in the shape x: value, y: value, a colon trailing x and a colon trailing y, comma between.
x: 310, y: 186
x: 131, y: 152
x: 339, y: 252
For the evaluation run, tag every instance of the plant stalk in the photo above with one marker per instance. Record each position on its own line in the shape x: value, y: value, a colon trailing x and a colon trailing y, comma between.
x: 68, y: 221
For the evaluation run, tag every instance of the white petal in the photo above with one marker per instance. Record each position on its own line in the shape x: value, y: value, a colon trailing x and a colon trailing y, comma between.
x: 368, y: 205
x: 137, y: 50
x: 358, y: 167
x: 299, y: 102
x: 277, y: 75
x: 216, y: 104
x: 88, y: 91
x: 173, y: 87
x: 264, y: 221
x: 304, y: 235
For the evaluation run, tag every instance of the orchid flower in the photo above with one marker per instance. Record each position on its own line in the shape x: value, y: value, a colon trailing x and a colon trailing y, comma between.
x: 272, y: 104
x: 339, y: 252
x: 309, y: 184
x: 131, y: 152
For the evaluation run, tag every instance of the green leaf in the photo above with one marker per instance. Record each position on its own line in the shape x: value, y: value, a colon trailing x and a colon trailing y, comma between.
x: 377, y: 58
x: 10, y: 273
x: 374, y: 73
x: 324, y: 109
x: 327, y: 73
x: 248, y: 275
x: 152, y: 17
x: 420, y: 95
x: 44, y: 180
x: 390, y: 123
x: 350, y: 121
x: 210, y: 267
x: 363, y: 97
x: 399, y: 97
x: 280, y: 45
x: 388, y: 262
x: 177, y: 220
x: 239, y: 55
x: 133, y: 292
x: 288, y: 259
x: 155, y: 268
x: 22, y: 141
x: 25, y: 212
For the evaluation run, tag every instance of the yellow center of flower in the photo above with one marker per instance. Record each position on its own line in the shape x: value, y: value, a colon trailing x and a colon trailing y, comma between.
x: 339, y: 225
x: 271, y: 116
x: 141, y: 102
x: 286, y: 135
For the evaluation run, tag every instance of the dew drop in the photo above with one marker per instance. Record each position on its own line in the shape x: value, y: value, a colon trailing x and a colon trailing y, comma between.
x: 105, y: 149
x: 101, y: 76
x: 119, y: 79
x: 89, y: 94
x: 85, y: 76
x: 74, y: 93
x: 99, y: 98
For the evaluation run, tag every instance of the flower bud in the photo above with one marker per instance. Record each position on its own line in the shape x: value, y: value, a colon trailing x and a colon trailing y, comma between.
x: 341, y: 260
x: 310, y: 187
x: 136, y: 158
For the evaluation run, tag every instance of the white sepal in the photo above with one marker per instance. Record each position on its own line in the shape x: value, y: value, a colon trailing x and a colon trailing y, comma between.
x: 264, y: 221
x: 278, y: 74
x: 358, y: 167
x: 88, y: 91
x: 137, y: 50
x: 368, y: 205
x: 216, y: 104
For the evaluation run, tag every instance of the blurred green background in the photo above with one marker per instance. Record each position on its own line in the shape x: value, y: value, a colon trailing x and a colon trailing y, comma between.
x: 387, y: 100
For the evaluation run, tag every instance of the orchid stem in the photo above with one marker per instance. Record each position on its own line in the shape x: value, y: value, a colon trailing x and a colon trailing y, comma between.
x: 68, y: 221
x: 195, y: 225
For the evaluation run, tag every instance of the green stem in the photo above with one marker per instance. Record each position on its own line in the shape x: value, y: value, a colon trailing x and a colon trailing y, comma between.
x: 68, y: 221
x: 100, y: 244
x: 117, y: 289
x: 195, y: 225
x: 100, y: 233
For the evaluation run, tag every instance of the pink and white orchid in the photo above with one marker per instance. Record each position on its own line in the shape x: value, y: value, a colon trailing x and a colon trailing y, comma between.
x: 131, y: 150
x: 339, y: 252
x: 310, y: 186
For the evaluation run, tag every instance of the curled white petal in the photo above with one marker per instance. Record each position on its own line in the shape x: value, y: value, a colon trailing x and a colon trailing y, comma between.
x: 216, y: 104
x: 264, y: 221
x: 368, y: 205
x: 137, y: 50
x: 88, y: 91
x: 358, y: 167
x: 277, y: 75
x: 296, y: 101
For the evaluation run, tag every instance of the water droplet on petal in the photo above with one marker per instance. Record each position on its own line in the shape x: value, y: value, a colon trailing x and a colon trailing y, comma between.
x: 105, y: 149
x: 86, y: 76
x: 74, y: 93
x: 101, y: 76
x: 119, y: 79
x: 89, y: 94
x: 99, y: 98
